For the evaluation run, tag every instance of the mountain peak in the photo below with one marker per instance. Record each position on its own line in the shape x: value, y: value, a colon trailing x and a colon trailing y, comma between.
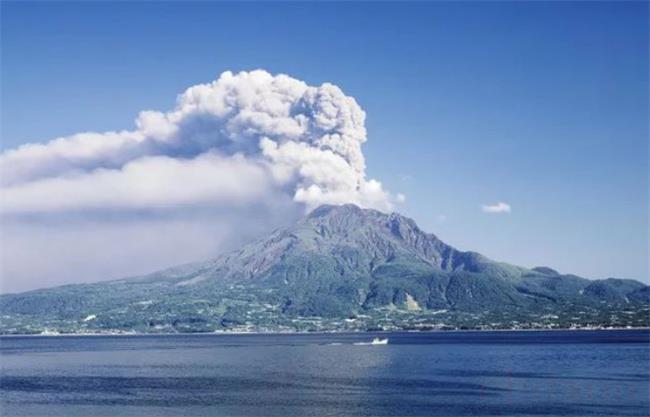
x: 349, y: 209
x: 351, y: 216
x: 334, y: 209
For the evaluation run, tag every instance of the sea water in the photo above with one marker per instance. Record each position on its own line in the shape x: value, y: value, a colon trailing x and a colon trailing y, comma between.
x: 534, y: 373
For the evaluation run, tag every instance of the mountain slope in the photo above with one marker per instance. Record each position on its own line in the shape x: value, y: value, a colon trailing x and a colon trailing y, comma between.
x: 341, y: 267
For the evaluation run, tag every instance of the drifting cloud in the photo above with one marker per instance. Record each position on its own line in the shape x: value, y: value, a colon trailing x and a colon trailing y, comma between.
x: 148, y: 182
x: 241, y: 138
x: 235, y: 157
x: 498, y: 208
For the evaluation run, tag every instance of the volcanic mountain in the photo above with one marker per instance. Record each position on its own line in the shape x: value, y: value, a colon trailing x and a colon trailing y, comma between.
x: 339, y: 268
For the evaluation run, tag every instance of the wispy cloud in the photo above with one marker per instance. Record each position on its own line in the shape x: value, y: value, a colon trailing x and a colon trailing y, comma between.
x: 497, y: 208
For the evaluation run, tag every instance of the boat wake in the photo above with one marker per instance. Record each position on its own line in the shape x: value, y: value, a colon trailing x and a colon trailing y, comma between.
x: 375, y: 341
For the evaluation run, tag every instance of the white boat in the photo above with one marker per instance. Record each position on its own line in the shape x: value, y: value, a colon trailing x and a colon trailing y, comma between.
x: 375, y: 341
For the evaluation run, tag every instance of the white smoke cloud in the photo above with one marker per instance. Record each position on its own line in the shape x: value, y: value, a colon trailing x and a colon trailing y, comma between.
x: 244, y: 137
x: 234, y: 158
x: 497, y: 208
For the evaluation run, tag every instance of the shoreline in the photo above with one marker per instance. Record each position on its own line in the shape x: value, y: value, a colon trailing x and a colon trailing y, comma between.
x: 613, y: 329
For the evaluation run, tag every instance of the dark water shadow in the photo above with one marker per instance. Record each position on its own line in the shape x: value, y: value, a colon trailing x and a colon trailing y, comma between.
x: 538, y: 375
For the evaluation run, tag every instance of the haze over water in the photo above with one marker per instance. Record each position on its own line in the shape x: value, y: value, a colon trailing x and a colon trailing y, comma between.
x: 559, y: 373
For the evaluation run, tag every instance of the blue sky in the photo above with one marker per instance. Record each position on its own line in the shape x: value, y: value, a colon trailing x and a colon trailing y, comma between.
x: 543, y: 105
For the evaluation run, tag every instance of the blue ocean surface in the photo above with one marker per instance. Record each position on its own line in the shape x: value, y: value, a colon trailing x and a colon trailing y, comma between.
x: 555, y: 373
